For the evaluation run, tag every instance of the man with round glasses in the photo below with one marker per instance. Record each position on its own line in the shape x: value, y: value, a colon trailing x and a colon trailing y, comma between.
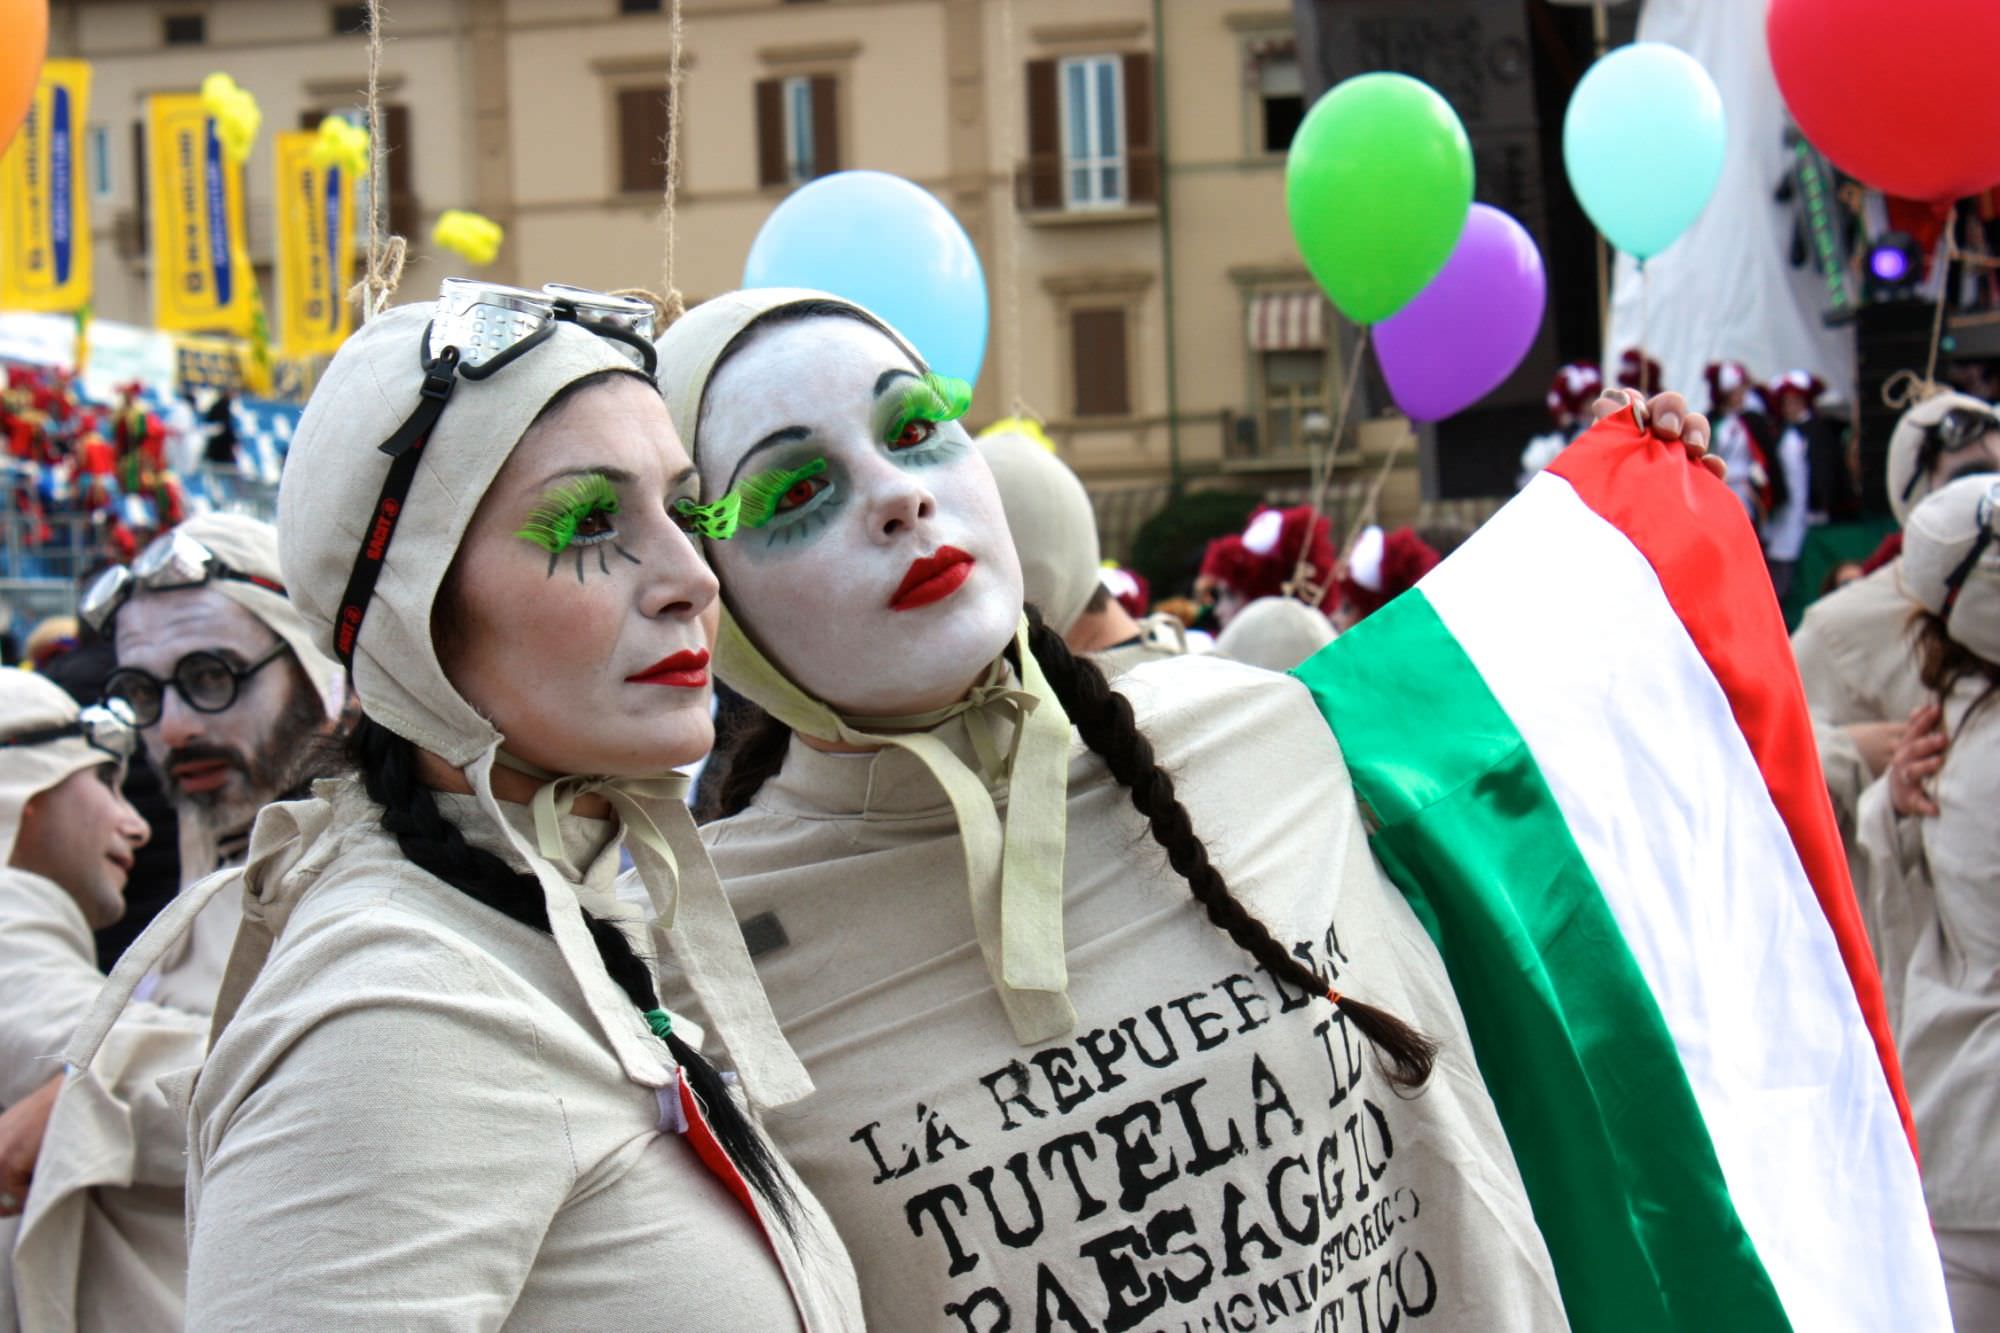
x: 230, y: 696
x: 1853, y: 649
x: 67, y: 839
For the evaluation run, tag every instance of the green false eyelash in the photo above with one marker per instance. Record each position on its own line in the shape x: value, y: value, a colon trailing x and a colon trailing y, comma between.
x: 935, y: 398
x: 752, y: 504
x: 554, y: 523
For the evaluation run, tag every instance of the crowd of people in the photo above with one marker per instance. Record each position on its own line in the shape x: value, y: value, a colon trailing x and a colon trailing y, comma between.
x: 998, y: 984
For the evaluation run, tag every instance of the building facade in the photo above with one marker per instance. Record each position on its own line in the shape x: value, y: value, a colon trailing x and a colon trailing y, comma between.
x: 1117, y: 164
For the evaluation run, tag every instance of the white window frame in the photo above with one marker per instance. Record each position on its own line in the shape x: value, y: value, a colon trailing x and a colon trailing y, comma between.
x: 98, y: 151
x: 1097, y: 70
x: 796, y: 98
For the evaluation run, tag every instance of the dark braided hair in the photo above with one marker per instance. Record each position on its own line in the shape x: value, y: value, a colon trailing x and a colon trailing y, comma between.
x: 1103, y: 717
x: 388, y: 767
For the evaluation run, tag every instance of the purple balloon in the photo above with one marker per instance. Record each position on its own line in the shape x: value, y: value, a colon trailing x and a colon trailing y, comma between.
x: 1467, y: 331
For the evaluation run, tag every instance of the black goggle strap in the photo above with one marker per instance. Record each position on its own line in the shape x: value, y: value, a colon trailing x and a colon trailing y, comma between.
x: 406, y: 447
x: 1954, y: 582
x: 79, y: 728
x: 1927, y: 457
x: 1954, y: 430
x: 542, y: 333
x: 649, y: 358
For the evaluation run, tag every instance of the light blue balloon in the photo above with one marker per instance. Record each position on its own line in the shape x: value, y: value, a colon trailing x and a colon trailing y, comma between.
x: 884, y: 243
x: 1643, y: 142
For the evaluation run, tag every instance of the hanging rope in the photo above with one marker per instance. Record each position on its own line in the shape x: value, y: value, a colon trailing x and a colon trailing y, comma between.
x: 1949, y: 247
x: 676, y: 305
x: 1299, y: 585
x: 385, y: 260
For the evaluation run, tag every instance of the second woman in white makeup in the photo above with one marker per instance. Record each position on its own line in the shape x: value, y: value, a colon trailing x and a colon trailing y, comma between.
x: 1073, y: 968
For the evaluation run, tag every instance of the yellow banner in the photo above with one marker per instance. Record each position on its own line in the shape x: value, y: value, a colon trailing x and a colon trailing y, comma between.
x: 202, y: 279
x: 45, y: 200
x: 315, y: 248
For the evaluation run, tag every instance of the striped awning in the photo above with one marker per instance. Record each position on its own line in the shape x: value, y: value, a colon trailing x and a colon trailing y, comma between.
x: 1288, y: 322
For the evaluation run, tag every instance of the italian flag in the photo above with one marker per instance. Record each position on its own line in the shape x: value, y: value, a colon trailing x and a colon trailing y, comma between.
x: 1586, y: 759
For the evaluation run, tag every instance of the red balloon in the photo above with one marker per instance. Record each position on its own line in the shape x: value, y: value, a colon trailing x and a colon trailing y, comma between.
x: 1902, y: 96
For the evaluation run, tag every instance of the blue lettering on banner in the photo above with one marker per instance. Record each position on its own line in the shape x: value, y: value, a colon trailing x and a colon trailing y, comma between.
x: 330, y: 243
x: 220, y: 260
x: 62, y: 141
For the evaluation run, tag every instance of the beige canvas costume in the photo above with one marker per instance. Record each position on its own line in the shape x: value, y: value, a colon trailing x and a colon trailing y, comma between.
x: 1147, y: 1130
x: 1931, y: 904
x: 100, y: 1243
x: 1160, y: 636
x: 418, y: 1112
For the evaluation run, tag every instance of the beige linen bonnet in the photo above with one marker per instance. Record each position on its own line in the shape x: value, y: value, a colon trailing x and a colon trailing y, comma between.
x: 29, y: 702
x: 1938, y: 540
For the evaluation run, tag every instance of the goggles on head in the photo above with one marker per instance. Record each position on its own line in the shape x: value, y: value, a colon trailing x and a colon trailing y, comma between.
x: 1987, y: 515
x: 107, y: 726
x: 174, y: 560
x: 1954, y: 430
x: 478, y: 329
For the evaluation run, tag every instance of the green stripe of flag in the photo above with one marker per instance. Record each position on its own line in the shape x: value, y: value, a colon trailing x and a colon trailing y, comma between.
x: 1609, y: 1139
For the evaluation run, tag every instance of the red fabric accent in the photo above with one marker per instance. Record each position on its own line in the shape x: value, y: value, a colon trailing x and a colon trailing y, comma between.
x: 1694, y: 533
x: 709, y: 1149
x: 1891, y: 547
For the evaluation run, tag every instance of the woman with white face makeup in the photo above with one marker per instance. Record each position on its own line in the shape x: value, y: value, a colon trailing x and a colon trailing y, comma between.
x: 1073, y: 968
x: 444, y: 1092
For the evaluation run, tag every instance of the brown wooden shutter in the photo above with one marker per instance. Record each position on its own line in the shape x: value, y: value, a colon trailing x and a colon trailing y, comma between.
x: 142, y: 208
x: 771, y: 132
x: 826, y: 125
x: 1142, y: 154
x: 1040, y: 184
x: 404, y: 212
x: 1097, y: 360
x: 642, y: 139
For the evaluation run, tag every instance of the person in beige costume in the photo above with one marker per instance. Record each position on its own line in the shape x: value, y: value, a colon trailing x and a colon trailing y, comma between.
x: 1055, y: 1089
x: 1933, y: 847
x: 1055, y: 535
x: 1275, y: 633
x: 104, y: 1192
x: 231, y: 695
x: 442, y: 1092
x: 1852, y: 648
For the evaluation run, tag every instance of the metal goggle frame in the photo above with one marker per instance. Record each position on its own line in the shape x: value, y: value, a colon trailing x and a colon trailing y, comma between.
x: 1954, y: 430
x: 491, y: 324
x: 174, y: 560
x: 1986, y: 515
x: 477, y: 328
x: 108, y: 726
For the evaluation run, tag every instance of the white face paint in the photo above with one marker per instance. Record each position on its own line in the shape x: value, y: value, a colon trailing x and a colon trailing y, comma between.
x: 833, y: 588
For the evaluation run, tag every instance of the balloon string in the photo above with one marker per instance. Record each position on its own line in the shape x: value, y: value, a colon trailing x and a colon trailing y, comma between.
x: 1645, y: 357
x: 1950, y: 249
x: 1323, y: 475
x: 676, y: 305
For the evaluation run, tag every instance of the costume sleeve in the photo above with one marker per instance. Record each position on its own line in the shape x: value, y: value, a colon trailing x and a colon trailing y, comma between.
x: 1847, y: 775
x: 1895, y: 892
x: 47, y: 984
x: 392, y: 1161
x: 1827, y: 693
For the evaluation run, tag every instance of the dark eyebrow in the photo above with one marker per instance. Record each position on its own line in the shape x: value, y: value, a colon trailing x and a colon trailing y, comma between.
x: 888, y: 377
x: 789, y: 435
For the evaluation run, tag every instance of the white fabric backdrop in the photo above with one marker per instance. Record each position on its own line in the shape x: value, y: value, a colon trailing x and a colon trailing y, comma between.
x: 1726, y: 289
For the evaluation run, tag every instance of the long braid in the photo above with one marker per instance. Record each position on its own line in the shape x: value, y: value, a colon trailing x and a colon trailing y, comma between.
x: 388, y: 766
x: 1103, y: 717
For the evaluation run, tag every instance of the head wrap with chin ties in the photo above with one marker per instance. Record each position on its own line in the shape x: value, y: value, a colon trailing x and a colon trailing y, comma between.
x: 328, y: 506
x: 1013, y: 864
x: 32, y: 703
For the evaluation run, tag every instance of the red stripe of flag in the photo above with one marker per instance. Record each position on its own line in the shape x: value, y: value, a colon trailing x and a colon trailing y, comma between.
x: 1714, y: 577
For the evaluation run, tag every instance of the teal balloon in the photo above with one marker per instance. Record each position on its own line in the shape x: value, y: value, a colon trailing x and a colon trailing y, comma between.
x: 887, y: 244
x: 1643, y: 143
x: 1377, y: 185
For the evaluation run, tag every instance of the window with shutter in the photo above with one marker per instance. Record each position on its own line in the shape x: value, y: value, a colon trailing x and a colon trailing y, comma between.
x: 1098, y: 367
x: 771, y: 132
x: 1093, y: 132
x: 825, y: 125
x: 1142, y: 154
x: 184, y: 29
x: 642, y: 139
x: 1039, y: 184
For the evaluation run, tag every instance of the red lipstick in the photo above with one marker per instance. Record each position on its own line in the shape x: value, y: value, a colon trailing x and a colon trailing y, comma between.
x: 932, y: 579
x: 687, y: 670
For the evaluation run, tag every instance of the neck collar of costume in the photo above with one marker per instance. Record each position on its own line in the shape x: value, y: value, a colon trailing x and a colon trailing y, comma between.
x: 1013, y: 862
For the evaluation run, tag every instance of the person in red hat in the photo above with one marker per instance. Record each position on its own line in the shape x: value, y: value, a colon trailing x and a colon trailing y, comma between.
x: 1638, y: 371
x: 1737, y: 441
x: 1382, y: 567
x: 1790, y: 397
x: 1833, y: 496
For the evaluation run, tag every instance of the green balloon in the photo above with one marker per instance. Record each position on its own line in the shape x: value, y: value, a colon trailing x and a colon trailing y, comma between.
x: 1377, y: 185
